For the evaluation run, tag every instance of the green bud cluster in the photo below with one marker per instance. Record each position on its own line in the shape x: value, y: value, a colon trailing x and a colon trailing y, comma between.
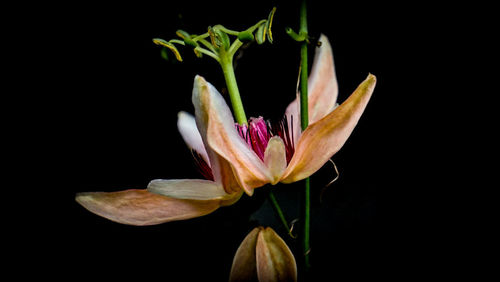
x: 216, y: 42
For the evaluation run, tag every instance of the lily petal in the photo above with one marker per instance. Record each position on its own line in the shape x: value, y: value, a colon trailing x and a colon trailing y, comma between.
x: 221, y: 169
x: 244, y: 266
x: 275, y: 158
x: 189, y: 132
x: 321, y: 140
x: 214, y: 116
x: 322, y: 88
x: 194, y: 189
x: 140, y: 207
x: 275, y: 261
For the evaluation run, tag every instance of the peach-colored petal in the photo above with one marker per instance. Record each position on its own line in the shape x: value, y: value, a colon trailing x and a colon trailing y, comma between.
x: 275, y: 261
x: 324, y: 138
x: 244, y: 263
x: 224, y: 174
x: 194, y: 189
x: 189, y: 132
x: 214, y: 117
x: 275, y: 158
x: 233, y: 198
x: 322, y: 89
x: 221, y: 169
x: 140, y: 207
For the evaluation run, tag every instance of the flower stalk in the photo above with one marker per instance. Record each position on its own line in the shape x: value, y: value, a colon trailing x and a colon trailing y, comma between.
x: 226, y: 63
x: 304, y: 122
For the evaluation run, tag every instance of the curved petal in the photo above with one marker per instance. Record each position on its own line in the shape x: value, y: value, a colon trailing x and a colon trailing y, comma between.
x: 221, y: 169
x: 275, y: 158
x: 194, y: 189
x: 275, y: 261
x: 189, y: 132
x: 322, y: 88
x: 214, y: 117
x: 324, y: 138
x: 244, y: 266
x: 140, y: 207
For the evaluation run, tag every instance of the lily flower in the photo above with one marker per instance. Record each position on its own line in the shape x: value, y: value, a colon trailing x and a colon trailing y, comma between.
x: 260, y: 152
x: 263, y: 256
x: 233, y: 157
x: 187, y: 198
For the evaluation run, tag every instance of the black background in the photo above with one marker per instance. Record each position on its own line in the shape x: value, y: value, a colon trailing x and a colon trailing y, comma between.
x: 107, y: 122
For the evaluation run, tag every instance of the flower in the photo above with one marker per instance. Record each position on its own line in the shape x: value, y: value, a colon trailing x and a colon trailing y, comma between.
x: 263, y: 255
x: 233, y: 158
x: 261, y: 153
x: 186, y: 198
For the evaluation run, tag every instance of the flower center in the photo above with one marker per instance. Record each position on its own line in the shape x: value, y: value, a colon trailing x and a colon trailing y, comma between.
x: 258, y: 132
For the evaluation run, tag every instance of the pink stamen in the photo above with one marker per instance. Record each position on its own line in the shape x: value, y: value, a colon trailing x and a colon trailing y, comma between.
x: 282, y: 130
x: 258, y: 132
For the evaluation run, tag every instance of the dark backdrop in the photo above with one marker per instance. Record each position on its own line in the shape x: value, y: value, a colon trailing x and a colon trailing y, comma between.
x: 112, y: 112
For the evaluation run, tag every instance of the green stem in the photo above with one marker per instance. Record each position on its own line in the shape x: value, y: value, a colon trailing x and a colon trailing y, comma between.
x: 304, y: 121
x: 226, y: 62
x: 304, y: 104
x: 207, y: 44
x: 208, y: 53
x: 234, y: 47
x: 278, y: 211
x: 227, y: 30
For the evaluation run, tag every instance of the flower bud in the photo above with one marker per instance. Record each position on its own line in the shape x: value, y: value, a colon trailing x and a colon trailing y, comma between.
x: 263, y: 256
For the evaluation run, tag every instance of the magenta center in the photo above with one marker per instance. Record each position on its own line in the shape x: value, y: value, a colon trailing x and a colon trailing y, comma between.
x: 258, y: 132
